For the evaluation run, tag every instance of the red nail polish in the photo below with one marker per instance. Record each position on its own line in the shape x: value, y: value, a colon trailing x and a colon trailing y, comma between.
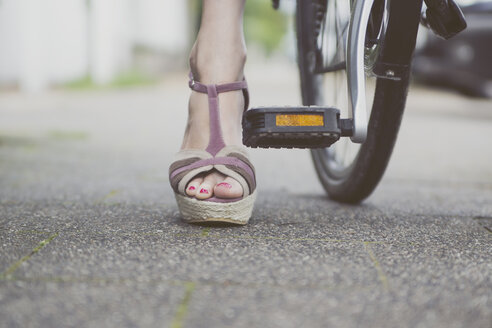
x: 203, y: 191
x: 191, y: 188
x: 224, y: 184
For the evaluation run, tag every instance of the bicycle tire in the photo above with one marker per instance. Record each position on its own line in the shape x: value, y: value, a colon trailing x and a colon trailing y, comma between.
x: 359, y: 179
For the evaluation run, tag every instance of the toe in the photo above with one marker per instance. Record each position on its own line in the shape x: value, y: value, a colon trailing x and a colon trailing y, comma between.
x: 192, y: 188
x: 206, y: 188
x: 228, y: 188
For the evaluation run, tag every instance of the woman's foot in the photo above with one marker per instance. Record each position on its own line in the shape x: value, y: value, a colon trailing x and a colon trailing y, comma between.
x: 216, y: 58
x: 197, y: 136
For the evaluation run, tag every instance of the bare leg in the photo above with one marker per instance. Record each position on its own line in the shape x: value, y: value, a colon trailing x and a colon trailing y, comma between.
x: 218, y: 56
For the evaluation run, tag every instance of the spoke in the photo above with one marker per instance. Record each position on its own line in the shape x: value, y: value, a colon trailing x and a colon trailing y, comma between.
x: 333, y: 34
x: 341, y: 37
x: 323, y: 26
x: 332, y: 43
x: 337, y: 31
x: 345, y: 152
x: 332, y: 53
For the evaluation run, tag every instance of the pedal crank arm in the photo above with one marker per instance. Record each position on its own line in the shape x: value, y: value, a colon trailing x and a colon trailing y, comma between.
x: 355, y: 68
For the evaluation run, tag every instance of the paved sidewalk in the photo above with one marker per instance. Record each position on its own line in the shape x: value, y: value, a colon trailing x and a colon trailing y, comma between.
x: 91, y: 236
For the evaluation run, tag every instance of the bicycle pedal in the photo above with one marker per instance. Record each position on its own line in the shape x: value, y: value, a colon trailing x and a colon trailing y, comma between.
x: 291, y: 127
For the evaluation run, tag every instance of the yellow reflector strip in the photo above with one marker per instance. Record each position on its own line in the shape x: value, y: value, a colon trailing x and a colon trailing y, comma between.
x: 299, y: 120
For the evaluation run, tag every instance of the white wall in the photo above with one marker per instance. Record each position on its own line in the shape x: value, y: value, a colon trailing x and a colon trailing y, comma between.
x: 110, y: 39
x: 65, y: 39
x: 44, y: 42
x: 9, y: 43
x: 162, y: 24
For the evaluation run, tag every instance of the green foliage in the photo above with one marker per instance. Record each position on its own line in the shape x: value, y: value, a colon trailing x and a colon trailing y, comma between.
x: 80, y: 84
x: 129, y: 78
x: 132, y: 78
x: 263, y: 25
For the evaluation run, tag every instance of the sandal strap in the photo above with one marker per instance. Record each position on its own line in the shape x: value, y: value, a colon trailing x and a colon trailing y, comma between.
x: 234, y: 164
x: 232, y: 161
x: 216, y: 142
x: 219, y: 88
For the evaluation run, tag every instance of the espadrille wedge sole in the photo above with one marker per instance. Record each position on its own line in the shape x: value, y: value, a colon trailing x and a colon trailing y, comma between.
x: 230, y: 160
x: 195, y: 211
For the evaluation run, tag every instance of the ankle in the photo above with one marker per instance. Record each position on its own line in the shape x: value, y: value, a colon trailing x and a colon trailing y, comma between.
x: 217, y: 65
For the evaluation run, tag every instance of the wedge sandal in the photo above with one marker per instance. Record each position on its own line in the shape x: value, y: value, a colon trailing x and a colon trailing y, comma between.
x: 230, y: 160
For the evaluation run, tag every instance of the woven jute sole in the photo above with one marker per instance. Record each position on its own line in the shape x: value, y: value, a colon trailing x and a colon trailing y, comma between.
x: 195, y: 211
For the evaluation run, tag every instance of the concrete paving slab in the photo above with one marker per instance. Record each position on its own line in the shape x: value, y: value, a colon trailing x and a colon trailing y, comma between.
x: 370, y: 307
x: 86, y: 212
x: 201, y: 258
x: 90, y: 303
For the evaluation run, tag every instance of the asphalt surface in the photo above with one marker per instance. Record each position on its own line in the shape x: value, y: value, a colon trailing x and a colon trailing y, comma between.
x: 90, y: 234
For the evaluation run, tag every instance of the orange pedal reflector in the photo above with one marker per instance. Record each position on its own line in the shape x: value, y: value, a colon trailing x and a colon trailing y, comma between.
x: 299, y: 120
x: 291, y: 127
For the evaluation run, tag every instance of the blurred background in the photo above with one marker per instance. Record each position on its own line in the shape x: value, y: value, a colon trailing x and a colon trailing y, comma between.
x: 112, y: 74
x: 461, y: 63
x: 87, y: 43
x: 93, y: 105
x: 81, y: 44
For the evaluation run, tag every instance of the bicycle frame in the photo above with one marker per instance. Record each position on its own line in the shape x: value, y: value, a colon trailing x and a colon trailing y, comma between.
x: 391, y: 63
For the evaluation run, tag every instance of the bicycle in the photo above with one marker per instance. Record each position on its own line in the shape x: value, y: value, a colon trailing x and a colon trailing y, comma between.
x: 354, y: 49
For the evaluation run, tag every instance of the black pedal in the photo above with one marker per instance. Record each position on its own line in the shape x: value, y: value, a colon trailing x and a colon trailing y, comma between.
x: 444, y: 18
x: 291, y: 127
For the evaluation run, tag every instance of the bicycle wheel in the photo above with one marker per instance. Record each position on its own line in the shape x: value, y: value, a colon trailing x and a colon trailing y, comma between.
x: 349, y: 172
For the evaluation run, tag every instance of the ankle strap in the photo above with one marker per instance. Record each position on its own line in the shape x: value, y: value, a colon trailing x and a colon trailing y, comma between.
x: 213, y: 89
x: 225, y: 87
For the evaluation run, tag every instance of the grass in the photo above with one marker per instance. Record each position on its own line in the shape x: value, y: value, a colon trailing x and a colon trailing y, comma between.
x: 126, y: 79
x: 10, y: 270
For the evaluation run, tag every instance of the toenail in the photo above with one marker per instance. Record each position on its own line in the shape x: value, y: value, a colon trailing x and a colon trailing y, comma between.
x: 191, y: 188
x: 224, y: 184
x: 203, y: 191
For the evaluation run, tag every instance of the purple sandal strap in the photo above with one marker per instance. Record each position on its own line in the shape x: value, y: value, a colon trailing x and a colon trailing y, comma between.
x: 229, y: 160
x: 234, y: 86
x: 220, y: 88
x: 216, y: 142
x: 234, y: 162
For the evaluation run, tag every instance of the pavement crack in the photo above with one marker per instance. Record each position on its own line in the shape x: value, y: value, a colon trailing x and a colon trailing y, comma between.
x: 97, y: 281
x: 7, y: 274
x: 382, y: 277
x: 485, y: 222
x: 182, y: 310
x: 205, y: 232
x: 109, y: 195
